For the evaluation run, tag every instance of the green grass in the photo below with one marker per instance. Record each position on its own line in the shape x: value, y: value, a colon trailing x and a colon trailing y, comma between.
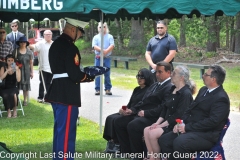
x: 34, y: 131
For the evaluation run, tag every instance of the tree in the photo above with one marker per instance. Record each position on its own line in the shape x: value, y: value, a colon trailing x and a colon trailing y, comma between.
x: 232, y: 39
x: 137, y: 34
x: 237, y: 35
x: 212, y: 34
x: 119, y: 34
x: 182, y: 42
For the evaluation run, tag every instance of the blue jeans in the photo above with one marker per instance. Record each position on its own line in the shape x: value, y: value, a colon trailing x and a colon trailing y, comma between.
x: 107, y: 80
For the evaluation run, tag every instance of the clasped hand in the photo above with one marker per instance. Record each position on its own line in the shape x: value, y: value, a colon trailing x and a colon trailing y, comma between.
x: 125, y: 112
x: 154, y: 126
x: 179, y: 129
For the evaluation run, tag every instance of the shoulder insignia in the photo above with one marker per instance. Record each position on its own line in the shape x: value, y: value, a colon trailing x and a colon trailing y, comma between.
x: 76, y: 59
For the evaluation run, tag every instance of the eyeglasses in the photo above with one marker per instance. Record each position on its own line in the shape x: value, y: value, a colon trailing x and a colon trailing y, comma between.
x: 205, y: 74
x: 160, y: 27
x: 14, y: 26
x: 2, y: 32
x: 22, y: 42
x: 103, y: 27
x: 140, y: 76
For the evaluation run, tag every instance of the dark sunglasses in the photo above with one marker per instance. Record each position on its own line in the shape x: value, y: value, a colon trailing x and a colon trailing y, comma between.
x: 22, y: 42
x: 14, y: 26
x: 140, y: 76
x: 2, y: 32
x: 160, y: 27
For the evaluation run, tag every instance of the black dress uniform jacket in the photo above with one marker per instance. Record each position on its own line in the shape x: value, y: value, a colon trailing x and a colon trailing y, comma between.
x: 64, y: 57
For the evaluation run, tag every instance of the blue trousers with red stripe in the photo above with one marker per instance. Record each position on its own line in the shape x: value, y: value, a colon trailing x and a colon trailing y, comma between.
x: 64, y: 134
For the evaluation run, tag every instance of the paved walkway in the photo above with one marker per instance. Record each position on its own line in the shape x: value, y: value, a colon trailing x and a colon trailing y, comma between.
x: 90, y: 109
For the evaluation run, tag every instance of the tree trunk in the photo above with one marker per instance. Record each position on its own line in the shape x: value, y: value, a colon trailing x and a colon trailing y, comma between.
x: 137, y: 34
x: 154, y: 27
x: 91, y: 29
x: 232, y: 39
x: 182, y: 32
x: 212, y: 36
x: 227, y: 32
x: 119, y: 34
x: 218, y: 28
x: 237, y: 35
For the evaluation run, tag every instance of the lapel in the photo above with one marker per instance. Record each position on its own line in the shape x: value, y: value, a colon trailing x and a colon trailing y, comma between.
x: 164, y: 84
x: 200, y: 97
x: 12, y: 37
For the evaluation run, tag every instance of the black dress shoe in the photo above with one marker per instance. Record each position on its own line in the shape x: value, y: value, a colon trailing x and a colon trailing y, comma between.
x: 109, y: 147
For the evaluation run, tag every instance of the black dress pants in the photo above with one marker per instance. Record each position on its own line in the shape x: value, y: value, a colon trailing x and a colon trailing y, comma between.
x: 135, y: 130
x: 109, y: 129
x: 120, y: 125
x: 180, y: 147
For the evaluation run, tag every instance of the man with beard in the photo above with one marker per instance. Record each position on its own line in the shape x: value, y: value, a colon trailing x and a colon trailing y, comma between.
x: 161, y: 47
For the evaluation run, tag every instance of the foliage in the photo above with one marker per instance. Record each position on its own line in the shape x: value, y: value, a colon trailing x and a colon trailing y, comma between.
x: 81, y: 44
x: 196, y: 32
x: 210, y: 54
x: 173, y: 29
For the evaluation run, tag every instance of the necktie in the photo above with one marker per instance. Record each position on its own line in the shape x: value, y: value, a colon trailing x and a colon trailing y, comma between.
x: 155, y: 88
x: 206, y: 93
x: 15, y: 38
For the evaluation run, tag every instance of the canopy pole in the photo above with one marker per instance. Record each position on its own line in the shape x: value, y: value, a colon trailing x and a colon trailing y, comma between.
x: 101, y: 77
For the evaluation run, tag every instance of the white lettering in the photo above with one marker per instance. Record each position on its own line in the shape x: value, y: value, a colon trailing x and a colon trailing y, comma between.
x: 24, y: 4
x: 4, y: 4
x: 60, y: 5
x: 46, y: 3
x: 12, y: 3
x: 33, y: 5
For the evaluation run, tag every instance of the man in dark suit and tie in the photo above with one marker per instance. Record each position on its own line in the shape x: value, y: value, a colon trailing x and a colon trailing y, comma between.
x: 129, y: 127
x: 15, y: 34
x: 204, y: 119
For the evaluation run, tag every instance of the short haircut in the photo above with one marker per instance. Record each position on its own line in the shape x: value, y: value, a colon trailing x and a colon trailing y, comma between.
x: 167, y: 66
x: 148, y: 76
x: 219, y: 73
x: 161, y: 22
x: 14, y: 22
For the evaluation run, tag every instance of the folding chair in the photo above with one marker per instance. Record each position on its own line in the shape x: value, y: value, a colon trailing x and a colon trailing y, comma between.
x: 216, y: 152
x: 19, y: 107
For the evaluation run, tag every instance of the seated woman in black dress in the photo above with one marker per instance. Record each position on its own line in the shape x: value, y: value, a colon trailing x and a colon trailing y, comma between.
x: 174, y: 108
x: 10, y: 91
x: 144, y: 79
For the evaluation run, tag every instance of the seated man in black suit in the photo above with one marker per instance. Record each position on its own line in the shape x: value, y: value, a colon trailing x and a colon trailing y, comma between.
x: 129, y: 128
x: 204, y: 119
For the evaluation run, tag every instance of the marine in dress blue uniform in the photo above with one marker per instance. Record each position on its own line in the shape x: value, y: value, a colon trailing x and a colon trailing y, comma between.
x: 64, y: 92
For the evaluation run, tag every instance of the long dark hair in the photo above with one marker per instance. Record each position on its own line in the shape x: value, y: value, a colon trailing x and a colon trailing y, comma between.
x: 147, y: 74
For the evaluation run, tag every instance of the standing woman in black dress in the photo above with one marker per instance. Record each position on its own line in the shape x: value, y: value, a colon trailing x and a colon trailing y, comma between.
x: 144, y: 79
x: 10, y: 91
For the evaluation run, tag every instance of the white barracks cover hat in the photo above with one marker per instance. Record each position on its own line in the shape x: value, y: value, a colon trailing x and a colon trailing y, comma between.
x: 79, y: 24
